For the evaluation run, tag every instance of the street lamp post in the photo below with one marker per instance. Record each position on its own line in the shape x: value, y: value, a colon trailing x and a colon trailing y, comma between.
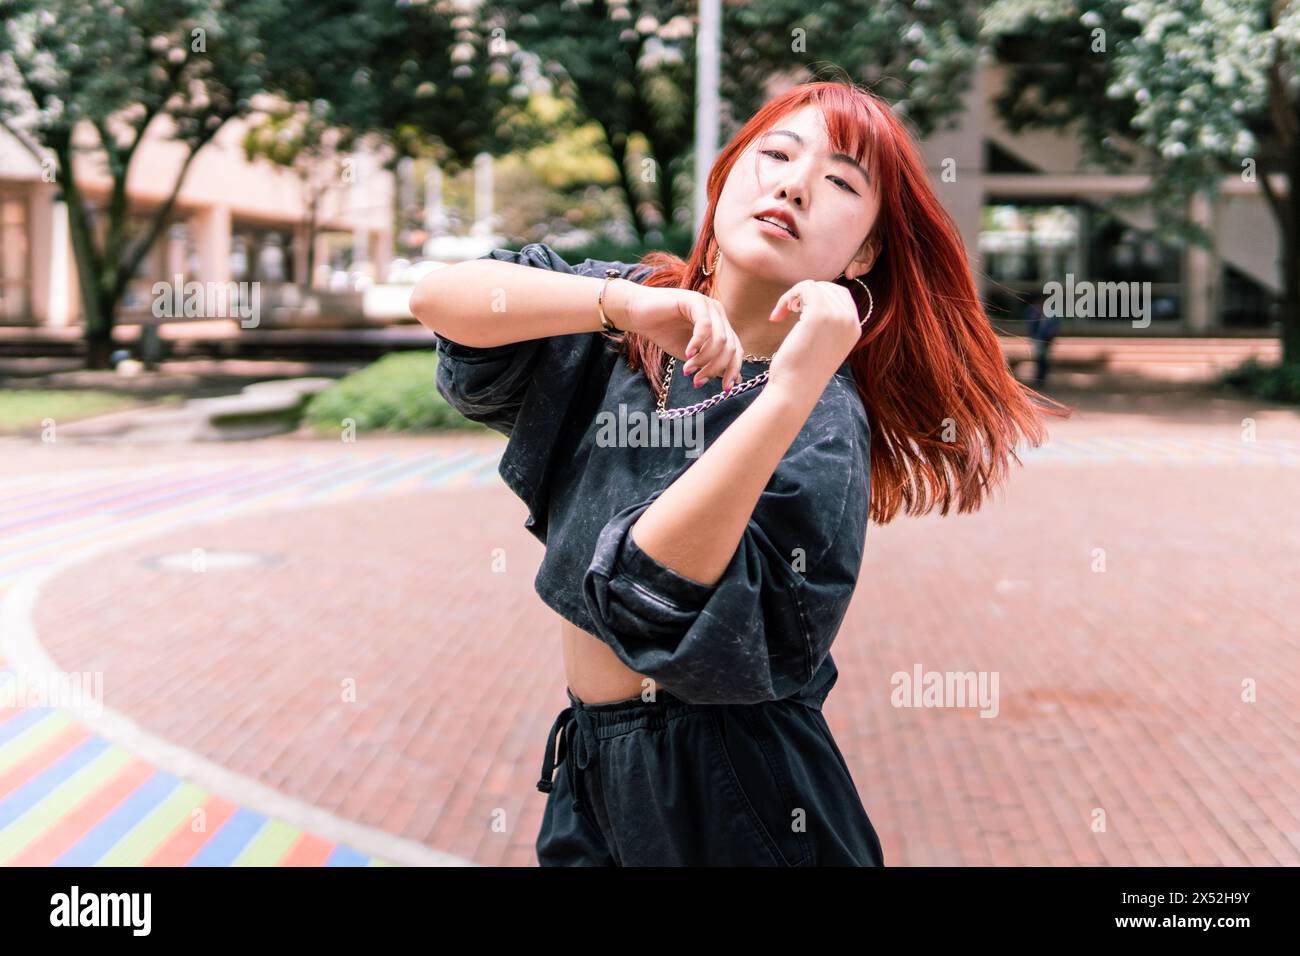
x: 708, y: 56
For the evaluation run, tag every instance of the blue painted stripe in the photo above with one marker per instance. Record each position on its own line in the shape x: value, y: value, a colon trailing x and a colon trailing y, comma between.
x: 346, y: 856
x: 488, y: 473
x: 229, y: 841
x: 381, y: 482
x: 40, y: 786
x: 377, y: 473
x: 345, y: 469
x: 451, y: 470
x: 109, y: 831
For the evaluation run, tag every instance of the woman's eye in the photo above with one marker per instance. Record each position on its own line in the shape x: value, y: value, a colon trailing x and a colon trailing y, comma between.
x: 777, y: 154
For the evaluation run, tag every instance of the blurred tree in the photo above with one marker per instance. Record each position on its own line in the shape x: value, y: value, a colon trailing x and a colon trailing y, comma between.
x: 299, y: 138
x: 119, y: 68
x: 630, y: 66
x: 94, y: 76
x: 1186, y: 91
x: 423, y: 73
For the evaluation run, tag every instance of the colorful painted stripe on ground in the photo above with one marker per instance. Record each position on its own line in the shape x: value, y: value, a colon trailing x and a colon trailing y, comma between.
x: 69, y: 798
x: 41, y: 525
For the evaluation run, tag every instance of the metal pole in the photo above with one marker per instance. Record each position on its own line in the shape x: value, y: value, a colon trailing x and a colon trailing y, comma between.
x: 708, y: 56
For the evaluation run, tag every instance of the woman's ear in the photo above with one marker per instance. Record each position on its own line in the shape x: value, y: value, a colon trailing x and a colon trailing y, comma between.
x: 865, y: 258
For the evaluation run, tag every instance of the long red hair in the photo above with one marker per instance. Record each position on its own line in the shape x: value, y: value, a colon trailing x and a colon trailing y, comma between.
x: 945, y: 411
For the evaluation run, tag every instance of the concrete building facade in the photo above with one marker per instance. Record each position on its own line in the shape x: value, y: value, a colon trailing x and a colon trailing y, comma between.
x: 234, y: 221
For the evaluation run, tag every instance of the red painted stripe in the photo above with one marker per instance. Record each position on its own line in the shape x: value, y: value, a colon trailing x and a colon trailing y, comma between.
x: 40, y: 759
x: 308, y: 850
x: 184, y: 844
x: 85, y: 816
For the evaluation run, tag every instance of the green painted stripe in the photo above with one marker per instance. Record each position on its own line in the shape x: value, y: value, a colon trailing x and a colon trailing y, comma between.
x: 375, y: 861
x: 269, y: 846
x: 33, y: 824
x: 33, y: 738
x: 150, y: 833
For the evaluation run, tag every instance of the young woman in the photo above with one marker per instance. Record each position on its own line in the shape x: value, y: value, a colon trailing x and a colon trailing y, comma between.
x: 827, y: 346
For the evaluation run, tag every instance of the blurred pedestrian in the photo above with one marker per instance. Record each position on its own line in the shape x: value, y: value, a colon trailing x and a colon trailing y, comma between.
x: 1044, y: 326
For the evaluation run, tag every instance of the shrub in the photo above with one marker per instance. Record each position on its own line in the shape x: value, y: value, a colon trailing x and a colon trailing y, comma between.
x: 396, y: 393
x: 1275, y: 383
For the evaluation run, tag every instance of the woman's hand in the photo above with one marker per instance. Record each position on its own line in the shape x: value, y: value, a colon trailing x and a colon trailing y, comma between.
x: 687, y: 325
x: 827, y: 329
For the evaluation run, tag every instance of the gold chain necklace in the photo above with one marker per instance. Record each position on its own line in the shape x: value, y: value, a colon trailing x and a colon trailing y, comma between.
x: 736, y: 389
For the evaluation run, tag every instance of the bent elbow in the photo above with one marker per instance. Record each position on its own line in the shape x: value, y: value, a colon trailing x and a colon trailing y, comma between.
x: 426, y: 300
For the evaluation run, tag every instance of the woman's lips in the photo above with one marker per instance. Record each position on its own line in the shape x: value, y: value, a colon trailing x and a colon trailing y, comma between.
x: 773, y: 230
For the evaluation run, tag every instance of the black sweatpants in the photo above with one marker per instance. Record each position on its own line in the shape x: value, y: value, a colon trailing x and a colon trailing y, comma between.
x: 667, y: 783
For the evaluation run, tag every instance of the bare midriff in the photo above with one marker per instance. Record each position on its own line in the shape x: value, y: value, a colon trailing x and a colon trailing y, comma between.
x: 593, y: 671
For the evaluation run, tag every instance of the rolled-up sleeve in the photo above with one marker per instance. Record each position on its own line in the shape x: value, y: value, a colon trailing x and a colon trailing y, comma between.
x: 764, y: 628
x: 486, y: 385
x: 490, y: 384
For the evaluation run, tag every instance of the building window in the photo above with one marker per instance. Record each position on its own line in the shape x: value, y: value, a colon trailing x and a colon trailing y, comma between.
x: 1024, y: 247
x: 1027, y: 245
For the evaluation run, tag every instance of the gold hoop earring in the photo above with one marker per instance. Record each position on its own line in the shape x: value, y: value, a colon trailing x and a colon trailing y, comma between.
x: 870, y: 298
x: 716, y: 261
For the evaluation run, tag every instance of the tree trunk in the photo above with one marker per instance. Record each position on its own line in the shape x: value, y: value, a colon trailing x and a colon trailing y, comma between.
x: 96, y: 315
x: 1291, y: 301
x: 99, y: 337
x: 666, y: 198
x: 619, y: 151
x: 1291, y: 273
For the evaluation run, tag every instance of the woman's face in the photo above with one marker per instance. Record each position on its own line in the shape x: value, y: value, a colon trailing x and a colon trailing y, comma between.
x: 830, y: 200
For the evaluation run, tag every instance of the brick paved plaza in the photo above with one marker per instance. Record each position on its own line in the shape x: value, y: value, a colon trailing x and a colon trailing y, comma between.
x: 339, y: 674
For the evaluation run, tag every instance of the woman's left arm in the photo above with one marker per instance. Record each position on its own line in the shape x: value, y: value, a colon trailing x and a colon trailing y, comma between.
x: 695, y: 525
x: 697, y: 522
x: 764, y: 624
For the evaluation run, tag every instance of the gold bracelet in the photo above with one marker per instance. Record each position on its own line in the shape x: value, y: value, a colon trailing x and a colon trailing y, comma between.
x: 600, y: 301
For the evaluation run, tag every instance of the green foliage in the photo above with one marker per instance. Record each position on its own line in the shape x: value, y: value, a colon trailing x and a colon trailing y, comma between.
x: 1176, y: 88
x: 917, y: 54
x: 425, y: 75
x: 631, y: 67
x: 397, y: 393
x: 1187, y: 91
x: 676, y: 239
x: 1275, y: 383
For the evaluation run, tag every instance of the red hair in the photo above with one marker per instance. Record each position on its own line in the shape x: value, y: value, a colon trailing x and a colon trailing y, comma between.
x: 945, y: 411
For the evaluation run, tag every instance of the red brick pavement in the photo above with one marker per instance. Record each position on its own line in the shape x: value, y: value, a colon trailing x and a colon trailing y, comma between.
x: 1120, y: 690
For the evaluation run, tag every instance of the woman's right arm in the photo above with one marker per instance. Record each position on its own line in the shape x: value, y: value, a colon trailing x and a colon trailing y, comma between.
x: 484, y: 302
x: 492, y: 302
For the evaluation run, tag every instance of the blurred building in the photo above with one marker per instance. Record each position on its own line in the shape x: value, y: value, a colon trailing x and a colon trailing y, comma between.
x: 1028, y: 210
x: 234, y: 221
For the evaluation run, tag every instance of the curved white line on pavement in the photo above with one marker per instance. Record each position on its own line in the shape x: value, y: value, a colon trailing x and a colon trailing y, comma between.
x: 20, y: 643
